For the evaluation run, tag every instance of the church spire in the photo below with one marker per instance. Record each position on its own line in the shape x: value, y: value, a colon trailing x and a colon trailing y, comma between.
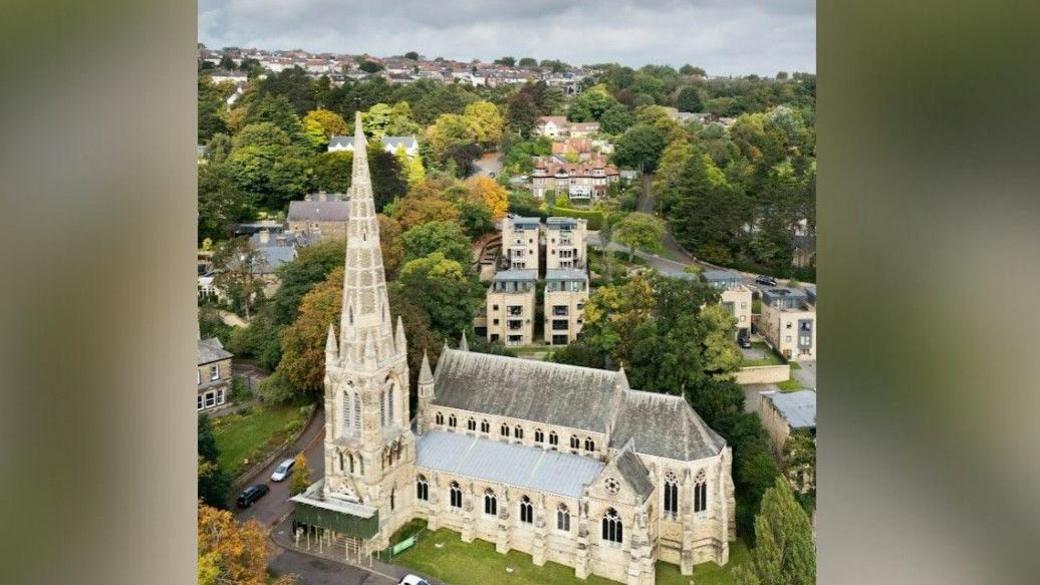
x: 366, y: 314
x: 425, y: 374
x: 400, y: 339
x: 463, y: 346
x: 330, y: 341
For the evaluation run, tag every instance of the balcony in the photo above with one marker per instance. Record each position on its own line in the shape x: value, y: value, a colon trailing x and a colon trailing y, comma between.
x: 559, y: 310
x: 560, y: 325
x: 514, y: 311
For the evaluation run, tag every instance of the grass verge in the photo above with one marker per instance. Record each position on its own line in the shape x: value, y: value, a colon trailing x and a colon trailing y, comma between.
x: 252, y: 433
x: 477, y: 563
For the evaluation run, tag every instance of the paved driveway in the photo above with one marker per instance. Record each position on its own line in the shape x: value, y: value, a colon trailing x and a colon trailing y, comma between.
x: 270, y: 508
x: 316, y: 571
x: 806, y: 374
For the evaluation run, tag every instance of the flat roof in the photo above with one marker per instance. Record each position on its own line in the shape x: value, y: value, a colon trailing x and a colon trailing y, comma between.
x: 526, y: 221
x: 516, y: 275
x: 565, y: 274
x: 561, y: 221
x: 507, y: 463
x: 798, y: 408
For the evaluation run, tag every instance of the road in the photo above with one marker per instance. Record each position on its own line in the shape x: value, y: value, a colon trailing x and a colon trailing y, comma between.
x: 647, y: 204
x: 317, y: 571
x: 489, y: 165
x: 270, y: 508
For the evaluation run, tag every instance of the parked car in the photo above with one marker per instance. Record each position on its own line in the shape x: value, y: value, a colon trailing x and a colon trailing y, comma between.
x: 744, y: 339
x: 252, y: 494
x: 766, y: 280
x: 413, y: 580
x: 282, y: 471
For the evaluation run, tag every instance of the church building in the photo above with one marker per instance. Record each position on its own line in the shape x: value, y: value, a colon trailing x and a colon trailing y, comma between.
x: 565, y: 463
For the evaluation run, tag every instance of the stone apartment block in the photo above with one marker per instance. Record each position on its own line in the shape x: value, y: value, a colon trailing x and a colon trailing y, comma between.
x: 564, y: 243
x: 521, y: 238
x: 566, y: 292
x: 788, y: 322
x: 214, y: 375
x: 511, y: 307
x: 736, y: 297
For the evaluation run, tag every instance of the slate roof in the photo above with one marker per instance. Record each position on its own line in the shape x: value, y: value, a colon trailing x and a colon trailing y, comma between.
x: 557, y: 394
x: 663, y: 425
x: 634, y: 472
x: 319, y: 211
x: 211, y: 350
x: 507, y: 463
x: 797, y: 408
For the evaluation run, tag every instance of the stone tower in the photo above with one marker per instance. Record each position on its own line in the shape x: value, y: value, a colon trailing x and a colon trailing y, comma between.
x: 369, y: 448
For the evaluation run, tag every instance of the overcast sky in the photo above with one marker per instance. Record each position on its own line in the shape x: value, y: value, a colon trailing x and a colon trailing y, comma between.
x: 725, y: 37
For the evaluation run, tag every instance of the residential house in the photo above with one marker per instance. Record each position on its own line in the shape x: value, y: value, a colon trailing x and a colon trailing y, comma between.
x: 582, y: 181
x: 320, y: 216
x: 213, y: 390
x: 565, y: 245
x: 736, y: 298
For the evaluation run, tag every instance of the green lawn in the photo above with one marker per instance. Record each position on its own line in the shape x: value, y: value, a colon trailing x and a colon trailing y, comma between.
x: 790, y: 385
x: 252, y: 434
x: 770, y: 359
x: 477, y: 563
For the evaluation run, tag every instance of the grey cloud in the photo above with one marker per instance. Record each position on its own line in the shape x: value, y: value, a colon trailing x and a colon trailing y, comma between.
x: 724, y: 37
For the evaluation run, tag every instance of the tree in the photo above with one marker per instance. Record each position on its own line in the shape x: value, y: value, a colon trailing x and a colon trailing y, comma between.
x: 331, y: 123
x: 616, y: 119
x: 691, y: 70
x: 370, y: 67
x: 639, y: 230
x: 507, y: 61
x: 390, y: 244
x: 591, y: 104
x: 294, y: 85
x: 228, y: 551
x: 640, y: 147
x: 239, y: 275
x: 438, y: 236
x: 411, y: 166
x: 301, y: 475
x: 527, y: 62
x: 276, y: 110
x: 388, y: 178
x: 444, y: 290
x: 311, y: 266
x: 412, y: 55
x: 475, y: 218
x: 521, y: 113
x: 303, y: 342
x: 449, y: 130
x: 721, y: 354
x: 492, y: 194
x: 211, y: 106
x: 784, y: 553
x: 613, y: 313
x: 332, y: 171
x: 213, y: 484
x: 425, y: 202
x: 221, y: 204
x: 226, y: 62
x: 417, y: 330
x: 486, y: 122
x: 799, y: 466
x: 689, y: 99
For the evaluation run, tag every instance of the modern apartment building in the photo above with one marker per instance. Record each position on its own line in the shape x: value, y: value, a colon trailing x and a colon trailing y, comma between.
x: 520, y: 242
x: 564, y: 243
x: 788, y: 322
x: 511, y: 307
x: 566, y: 292
x: 736, y: 297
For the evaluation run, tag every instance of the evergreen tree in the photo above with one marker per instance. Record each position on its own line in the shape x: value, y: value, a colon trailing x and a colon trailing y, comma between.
x: 785, y: 553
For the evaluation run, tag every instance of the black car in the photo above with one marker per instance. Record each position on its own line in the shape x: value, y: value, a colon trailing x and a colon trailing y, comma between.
x: 252, y: 494
x: 744, y: 339
x: 766, y: 280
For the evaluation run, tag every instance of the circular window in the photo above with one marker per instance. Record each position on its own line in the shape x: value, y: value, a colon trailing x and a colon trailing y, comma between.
x: 613, y: 486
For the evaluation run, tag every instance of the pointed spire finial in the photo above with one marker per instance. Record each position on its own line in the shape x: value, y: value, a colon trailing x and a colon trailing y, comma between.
x: 330, y: 341
x: 401, y: 341
x: 462, y: 343
x: 425, y: 373
x: 623, y: 377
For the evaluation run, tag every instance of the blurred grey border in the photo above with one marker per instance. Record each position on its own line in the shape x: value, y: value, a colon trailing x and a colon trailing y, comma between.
x: 929, y: 263
x: 97, y: 168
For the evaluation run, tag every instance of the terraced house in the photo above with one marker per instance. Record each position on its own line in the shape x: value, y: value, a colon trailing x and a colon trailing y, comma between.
x: 565, y: 463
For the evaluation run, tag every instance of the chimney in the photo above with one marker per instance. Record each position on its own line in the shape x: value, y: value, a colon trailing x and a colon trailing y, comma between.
x: 265, y: 236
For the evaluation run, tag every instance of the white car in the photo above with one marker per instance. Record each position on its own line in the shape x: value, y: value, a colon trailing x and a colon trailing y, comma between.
x: 413, y: 580
x: 283, y: 470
